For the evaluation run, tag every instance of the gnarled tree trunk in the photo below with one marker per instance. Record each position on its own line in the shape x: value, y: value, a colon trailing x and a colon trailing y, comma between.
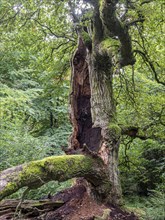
x: 93, y: 112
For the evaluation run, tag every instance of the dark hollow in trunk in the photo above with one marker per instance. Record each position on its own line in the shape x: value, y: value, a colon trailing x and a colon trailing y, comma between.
x: 81, y: 118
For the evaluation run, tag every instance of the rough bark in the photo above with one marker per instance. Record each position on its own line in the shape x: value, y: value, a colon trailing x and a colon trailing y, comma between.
x: 80, y: 111
x: 114, y: 28
x: 93, y: 110
x: 59, y: 168
x: 104, y: 117
x: 28, y: 209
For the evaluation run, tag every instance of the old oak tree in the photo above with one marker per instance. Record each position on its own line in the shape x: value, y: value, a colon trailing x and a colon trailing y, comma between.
x: 104, y: 48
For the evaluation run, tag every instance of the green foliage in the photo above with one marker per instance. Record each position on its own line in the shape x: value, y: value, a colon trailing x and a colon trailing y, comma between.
x: 155, y: 206
x: 140, y: 103
x: 49, y: 188
x: 44, y: 191
x: 36, y: 41
x: 148, y: 208
x: 19, y: 146
x: 34, y: 82
x: 142, y: 166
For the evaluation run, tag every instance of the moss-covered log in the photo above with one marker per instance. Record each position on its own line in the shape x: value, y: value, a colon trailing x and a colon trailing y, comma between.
x: 60, y: 168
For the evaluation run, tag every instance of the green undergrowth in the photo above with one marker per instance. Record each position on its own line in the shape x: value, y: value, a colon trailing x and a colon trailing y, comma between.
x: 48, y: 189
x: 147, y: 208
x: 18, y: 146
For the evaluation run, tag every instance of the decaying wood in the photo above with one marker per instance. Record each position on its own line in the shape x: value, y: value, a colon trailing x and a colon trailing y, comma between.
x: 80, y: 104
x: 92, y: 110
x: 28, y: 208
x: 105, y: 215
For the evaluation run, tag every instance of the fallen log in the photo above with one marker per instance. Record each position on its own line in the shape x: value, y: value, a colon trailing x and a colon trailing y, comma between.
x: 27, y: 209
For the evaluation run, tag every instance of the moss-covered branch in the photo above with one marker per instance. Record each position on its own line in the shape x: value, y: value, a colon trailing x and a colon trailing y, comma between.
x: 115, y: 28
x: 61, y: 168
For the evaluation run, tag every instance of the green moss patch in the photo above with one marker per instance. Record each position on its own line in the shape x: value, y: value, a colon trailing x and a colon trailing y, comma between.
x: 115, y: 131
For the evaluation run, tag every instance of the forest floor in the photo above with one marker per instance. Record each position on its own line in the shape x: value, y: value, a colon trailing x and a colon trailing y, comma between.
x: 75, y: 204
